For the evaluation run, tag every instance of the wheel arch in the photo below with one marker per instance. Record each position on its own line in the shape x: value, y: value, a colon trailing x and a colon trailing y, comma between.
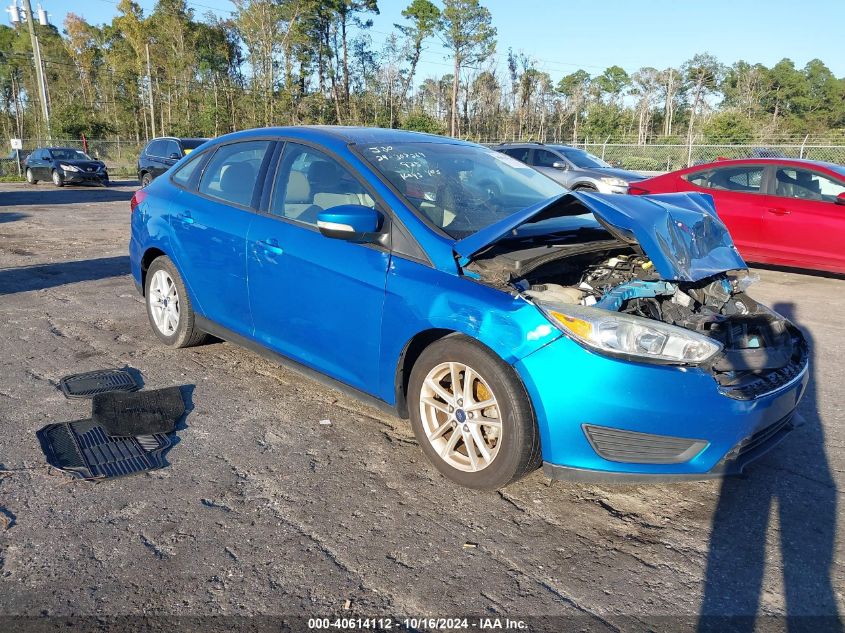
x: 150, y: 255
x: 407, y: 357
x: 414, y: 348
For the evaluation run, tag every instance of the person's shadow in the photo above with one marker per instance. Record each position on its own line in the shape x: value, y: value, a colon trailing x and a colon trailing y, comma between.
x: 796, y: 479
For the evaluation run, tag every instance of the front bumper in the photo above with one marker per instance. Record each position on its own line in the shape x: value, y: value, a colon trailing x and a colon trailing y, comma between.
x: 82, y: 177
x: 571, y: 388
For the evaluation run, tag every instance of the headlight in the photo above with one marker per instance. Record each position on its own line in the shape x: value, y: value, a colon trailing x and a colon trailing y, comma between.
x: 625, y: 335
x: 614, y: 182
x: 68, y: 167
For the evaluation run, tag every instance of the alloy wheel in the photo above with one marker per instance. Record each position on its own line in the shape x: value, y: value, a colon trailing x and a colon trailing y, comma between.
x: 164, y: 303
x: 460, y: 416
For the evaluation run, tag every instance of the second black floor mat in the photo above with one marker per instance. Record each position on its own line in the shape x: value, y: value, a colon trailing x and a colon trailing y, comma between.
x: 139, y: 412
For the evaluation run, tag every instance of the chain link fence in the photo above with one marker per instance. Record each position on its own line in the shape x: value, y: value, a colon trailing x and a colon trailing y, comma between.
x: 662, y: 158
x: 121, y: 155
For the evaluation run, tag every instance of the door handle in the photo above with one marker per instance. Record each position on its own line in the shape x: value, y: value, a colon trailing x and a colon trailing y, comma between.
x: 271, y: 246
x: 186, y: 217
x: 778, y: 211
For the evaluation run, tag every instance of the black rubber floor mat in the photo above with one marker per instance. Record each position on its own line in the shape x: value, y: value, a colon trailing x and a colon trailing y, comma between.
x: 84, y: 449
x: 138, y: 413
x: 101, y: 381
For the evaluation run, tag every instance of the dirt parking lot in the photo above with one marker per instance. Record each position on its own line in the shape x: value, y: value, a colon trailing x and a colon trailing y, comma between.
x: 264, y: 511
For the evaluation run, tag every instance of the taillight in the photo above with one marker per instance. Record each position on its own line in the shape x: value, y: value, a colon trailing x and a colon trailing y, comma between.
x: 137, y: 199
x: 637, y: 191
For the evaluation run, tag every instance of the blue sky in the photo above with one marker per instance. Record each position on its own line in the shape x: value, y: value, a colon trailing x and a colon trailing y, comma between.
x: 564, y: 35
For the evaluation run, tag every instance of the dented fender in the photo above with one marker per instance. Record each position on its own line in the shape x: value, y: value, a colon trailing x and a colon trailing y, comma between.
x: 510, y: 326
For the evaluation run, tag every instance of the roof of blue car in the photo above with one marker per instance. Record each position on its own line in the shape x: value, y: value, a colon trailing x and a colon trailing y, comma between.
x: 350, y: 134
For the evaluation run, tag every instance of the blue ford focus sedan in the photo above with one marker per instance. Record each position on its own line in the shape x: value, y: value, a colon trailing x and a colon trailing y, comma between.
x: 515, y: 323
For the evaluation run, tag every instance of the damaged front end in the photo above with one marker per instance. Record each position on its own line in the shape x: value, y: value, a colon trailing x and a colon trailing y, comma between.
x: 649, y: 279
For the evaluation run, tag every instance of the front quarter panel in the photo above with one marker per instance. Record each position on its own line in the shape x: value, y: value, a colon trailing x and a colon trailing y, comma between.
x: 421, y: 298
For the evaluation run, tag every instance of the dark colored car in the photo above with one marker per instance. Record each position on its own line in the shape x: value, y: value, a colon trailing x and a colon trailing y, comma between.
x: 783, y: 211
x: 161, y: 154
x: 605, y: 336
x: 64, y: 166
x: 572, y: 167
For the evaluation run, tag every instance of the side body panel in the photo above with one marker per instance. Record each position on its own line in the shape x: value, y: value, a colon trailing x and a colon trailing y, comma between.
x: 420, y: 298
x: 209, y: 247
x: 317, y: 300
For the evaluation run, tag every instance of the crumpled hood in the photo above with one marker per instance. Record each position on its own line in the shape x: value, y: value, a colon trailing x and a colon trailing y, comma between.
x: 679, y: 232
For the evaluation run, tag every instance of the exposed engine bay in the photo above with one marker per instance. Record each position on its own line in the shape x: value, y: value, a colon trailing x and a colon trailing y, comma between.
x: 762, y: 350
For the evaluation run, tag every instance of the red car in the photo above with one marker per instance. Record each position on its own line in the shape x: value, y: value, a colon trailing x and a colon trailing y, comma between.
x: 779, y: 210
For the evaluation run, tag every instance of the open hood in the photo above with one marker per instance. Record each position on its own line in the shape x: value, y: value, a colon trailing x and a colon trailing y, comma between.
x: 679, y: 232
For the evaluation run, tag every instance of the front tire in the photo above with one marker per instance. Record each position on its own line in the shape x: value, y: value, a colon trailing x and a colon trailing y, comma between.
x: 30, y: 177
x: 168, y: 306
x: 58, y: 179
x: 471, y: 415
x: 146, y: 179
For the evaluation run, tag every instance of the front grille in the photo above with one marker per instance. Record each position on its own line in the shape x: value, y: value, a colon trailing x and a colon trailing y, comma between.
x: 616, y: 445
x: 747, y: 385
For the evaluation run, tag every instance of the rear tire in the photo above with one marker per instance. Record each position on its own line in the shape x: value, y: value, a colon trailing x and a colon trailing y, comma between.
x: 587, y: 188
x: 477, y: 446
x: 58, y: 179
x: 30, y: 178
x: 146, y: 179
x: 168, y: 307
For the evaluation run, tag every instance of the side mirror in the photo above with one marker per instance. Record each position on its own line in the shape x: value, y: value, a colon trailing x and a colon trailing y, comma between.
x: 840, y: 199
x: 350, y: 222
x: 560, y: 165
x: 174, y: 156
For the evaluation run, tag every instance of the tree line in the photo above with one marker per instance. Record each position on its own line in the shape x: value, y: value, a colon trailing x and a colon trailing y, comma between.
x: 279, y: 62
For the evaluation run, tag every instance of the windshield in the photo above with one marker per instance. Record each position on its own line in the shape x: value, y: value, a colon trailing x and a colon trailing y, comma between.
x: 69, y: 154
x: 460, y: 188
x: 582, y: 159
x: 839, y: 169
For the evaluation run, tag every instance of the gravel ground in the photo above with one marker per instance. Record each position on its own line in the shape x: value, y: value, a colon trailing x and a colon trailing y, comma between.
x: 263, y: 511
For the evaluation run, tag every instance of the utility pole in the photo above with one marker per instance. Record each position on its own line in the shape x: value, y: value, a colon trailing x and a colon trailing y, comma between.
x: 39, y: 69
x: 149, y: 89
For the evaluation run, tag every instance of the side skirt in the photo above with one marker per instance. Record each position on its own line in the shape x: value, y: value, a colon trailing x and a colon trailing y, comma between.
x: 227, y: 335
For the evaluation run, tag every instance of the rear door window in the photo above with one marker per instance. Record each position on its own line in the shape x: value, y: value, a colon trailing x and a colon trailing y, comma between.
x: 232, y: 172
x: 804, y: 184
x: 741, y: 178
x: 519, y: 153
